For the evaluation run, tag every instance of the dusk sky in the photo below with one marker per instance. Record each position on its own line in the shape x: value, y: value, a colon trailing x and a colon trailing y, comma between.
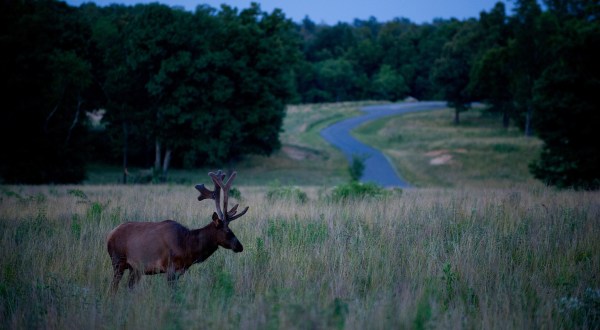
x: 333, y: 11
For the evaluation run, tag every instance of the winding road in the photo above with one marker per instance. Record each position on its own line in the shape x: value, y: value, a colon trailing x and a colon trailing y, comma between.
x: 378, y: 168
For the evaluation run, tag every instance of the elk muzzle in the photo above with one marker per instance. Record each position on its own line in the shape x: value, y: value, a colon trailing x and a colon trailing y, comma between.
x: 236, y: 246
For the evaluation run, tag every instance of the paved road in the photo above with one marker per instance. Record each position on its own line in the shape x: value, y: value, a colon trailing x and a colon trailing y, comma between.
x: 378, y: 168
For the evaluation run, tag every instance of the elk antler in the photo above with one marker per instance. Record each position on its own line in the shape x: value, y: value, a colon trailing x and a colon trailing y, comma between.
x: 217, y: 178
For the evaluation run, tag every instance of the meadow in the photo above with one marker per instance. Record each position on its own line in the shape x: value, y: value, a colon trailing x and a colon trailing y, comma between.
x: 505, y: 254
x: 423, y: 258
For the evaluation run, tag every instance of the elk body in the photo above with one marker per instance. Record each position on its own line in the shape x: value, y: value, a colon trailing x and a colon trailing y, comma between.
x: 147, y: 248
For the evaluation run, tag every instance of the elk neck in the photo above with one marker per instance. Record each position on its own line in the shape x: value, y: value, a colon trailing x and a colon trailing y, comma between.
x: 202, y: 243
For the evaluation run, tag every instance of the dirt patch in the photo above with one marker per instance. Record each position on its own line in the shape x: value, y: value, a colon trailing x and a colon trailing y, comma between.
x: 436, y: 153
x: 441, y: 160
x: 442, y: 156
x: 300, y: 153
x: 302, y: 128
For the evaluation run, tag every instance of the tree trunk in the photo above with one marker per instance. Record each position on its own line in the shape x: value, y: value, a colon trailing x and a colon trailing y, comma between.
x: 505, y: 119
x: 75, y: 120
x: 528, y: 116
x: 456, y: 116
x: 157, y: 156
x: 166, y: 163
x: 125, y: 151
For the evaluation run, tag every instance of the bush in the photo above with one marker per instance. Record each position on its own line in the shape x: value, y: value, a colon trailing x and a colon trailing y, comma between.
x: 357, y: 167
x: 356, y: 189
x: 287, y: 193
x: 235, y: 193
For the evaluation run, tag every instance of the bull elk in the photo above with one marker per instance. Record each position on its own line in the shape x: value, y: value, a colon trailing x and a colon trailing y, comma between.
x: 168, y: 247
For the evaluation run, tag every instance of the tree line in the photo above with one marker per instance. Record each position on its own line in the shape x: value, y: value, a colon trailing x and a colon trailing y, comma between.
x: 208, y: 87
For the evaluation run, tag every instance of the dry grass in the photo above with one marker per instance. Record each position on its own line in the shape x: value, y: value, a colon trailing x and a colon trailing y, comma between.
x: 427, y: 258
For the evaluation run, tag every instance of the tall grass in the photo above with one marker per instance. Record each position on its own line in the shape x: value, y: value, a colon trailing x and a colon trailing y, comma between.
x: 426, y: 258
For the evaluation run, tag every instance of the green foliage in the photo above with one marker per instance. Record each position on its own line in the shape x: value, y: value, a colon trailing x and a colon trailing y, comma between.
x: 286, y: 193
x: 296, y: 233
x: 79, y: 194
x: 566, y: 107
x: 338, y: 311
x: 423, y: 314
x: 389, y: 84
x: 369, y: 59
x: 358, y: 190
x: 452, y: 70
x: 449, y: 279
x: 76, y: 226
x: 160, y: 73
x: 224, y: 287
x: 357, y: 167
x: 580, y: 312
x: 235, y: 193
x: 46, y: 83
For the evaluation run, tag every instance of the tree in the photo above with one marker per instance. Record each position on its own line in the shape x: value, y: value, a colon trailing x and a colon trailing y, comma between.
x: 452, y: 69
x: 389, y: 85
x: 527, y: 52
x: 44, y: 78
x: 492, y: 71
x: 186, y: 96
x: 250, y: 83
x: 491, y: 80
x: 430, y: 41
x: 336, y: 76
x: 125, y: 97
x: 160, y: 46
x: 566, y: 106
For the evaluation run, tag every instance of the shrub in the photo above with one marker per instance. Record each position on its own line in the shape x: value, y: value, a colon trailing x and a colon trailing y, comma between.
x: 357, y: 167
x: 287, y: 193
x: 235, y: 193
x: 356, y: 189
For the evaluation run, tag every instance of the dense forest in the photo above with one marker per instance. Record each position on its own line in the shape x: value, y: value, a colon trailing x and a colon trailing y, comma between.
x: 185, y: 89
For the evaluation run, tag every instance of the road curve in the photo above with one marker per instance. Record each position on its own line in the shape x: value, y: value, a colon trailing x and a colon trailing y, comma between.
x: 378, y: 168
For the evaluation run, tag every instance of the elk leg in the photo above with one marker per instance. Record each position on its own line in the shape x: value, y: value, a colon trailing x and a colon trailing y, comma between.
x: 172, y: 277
x: 119, y: 269
x: 134, y: 277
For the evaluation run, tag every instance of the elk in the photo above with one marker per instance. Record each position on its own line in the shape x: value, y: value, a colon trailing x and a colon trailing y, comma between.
x: 168, y: 247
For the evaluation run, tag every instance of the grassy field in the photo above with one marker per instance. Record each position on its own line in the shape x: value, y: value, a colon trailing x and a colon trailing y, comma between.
x: 430, y: 151
x: 427, y: 258
x: 513, y: 255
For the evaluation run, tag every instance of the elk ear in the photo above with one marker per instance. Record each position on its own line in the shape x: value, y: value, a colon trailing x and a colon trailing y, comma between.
x: 216, y: 220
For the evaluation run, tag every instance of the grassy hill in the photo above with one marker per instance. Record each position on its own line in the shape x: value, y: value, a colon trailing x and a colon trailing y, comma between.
x: 430, y: 151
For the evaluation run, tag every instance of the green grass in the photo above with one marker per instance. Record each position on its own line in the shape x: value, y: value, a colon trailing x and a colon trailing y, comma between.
x: 520, y: 258
x: 430, y: 151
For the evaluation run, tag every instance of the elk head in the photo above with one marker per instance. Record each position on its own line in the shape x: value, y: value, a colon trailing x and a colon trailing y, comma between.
x: 224, y: 236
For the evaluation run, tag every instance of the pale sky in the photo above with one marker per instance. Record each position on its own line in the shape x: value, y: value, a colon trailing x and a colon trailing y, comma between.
x: 333, y: 11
